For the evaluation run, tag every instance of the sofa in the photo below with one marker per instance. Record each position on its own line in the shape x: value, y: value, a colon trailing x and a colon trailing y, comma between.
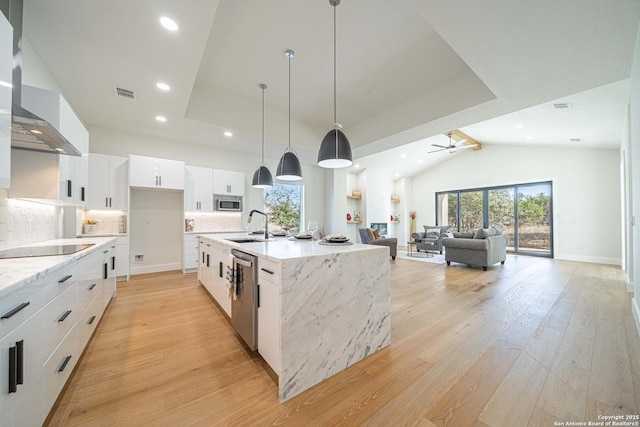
x: 481, y: 248
x: 431, y: 238
x: 367, y: 236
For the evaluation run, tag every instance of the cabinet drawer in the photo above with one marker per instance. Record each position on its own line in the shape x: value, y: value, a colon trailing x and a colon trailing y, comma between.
x: 19, y: 305
x: 58, y: 317
x: 57, y: 281
x: 269, y: 271
x: 87, y: 292
x: 88, y: 322
x: 58, y: 367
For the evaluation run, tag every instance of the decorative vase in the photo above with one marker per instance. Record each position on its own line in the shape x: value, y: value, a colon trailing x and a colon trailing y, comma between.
x: 356, y: 192
x: 348, y: 217
x: 413, y: 226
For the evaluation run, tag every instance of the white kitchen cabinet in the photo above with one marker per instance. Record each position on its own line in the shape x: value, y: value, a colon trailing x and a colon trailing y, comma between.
x: 198, y: 191
x: 21, y: 395
x: 57, y: 368
x: 228, y: 182
x: 6, y: 66
x: 122, y: 258
x: 151, y: 172
x: 214, y: 274
x: 269, y: 313
x: 108, y: 182
x: 190, y: 253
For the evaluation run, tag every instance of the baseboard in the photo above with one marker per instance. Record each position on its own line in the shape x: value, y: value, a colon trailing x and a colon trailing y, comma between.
x: 629, y: 283
x: 145, y: 269
x: 636, y: 313
x: 595, y: 260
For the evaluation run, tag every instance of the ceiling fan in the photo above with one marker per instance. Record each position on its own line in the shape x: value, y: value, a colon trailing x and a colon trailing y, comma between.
x: 453, y: 146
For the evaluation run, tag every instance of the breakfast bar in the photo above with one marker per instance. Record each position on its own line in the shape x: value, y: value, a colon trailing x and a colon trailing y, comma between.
x: 322, y: 307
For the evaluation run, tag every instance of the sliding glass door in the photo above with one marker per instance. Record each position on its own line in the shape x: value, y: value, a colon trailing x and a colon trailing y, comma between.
x: 524, y: 211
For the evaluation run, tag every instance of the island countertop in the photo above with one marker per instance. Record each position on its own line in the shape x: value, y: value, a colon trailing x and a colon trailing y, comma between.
x: 331, y: 304
x: 17, y: 272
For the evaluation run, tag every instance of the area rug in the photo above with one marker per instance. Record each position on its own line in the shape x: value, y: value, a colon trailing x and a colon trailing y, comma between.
x: 421, y: 257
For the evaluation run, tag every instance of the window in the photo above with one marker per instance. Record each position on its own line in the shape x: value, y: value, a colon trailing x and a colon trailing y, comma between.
x: 523, y: 210
x: 283, y: 204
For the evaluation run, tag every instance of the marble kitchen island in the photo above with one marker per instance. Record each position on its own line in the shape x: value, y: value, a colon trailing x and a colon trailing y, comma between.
x: 322, y: 308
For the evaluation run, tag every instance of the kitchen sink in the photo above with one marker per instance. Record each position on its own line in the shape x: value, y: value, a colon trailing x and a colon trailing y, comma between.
x: 247, y: 240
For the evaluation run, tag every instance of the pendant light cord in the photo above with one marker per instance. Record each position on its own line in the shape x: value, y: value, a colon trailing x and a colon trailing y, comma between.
x: 335, y: 104
x: 263, y: 86
x: 289, y: 56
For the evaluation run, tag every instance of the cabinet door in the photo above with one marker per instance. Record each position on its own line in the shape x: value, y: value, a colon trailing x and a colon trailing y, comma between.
x: 68, y: 185
x: 118, y: 183
x: 23, y: 405
x: 204, y: 189
x: 143, y: 171
x: 269, y: 324
x: 219, y: 281
x: 220, y: 182
x: 98, y: 196
x: 235, y: 181
x: 171, y: 174
x: 190, y: 200
x: 122, y: 259
x: 6, y: 65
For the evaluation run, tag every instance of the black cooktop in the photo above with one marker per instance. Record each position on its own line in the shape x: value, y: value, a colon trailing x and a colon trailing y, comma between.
x: 34, y: 251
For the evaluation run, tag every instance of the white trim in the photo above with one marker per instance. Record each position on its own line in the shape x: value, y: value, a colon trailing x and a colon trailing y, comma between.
x: 155, y: 268
x: 595, y: 260
x: 636, y: 313
x: 629, y: 283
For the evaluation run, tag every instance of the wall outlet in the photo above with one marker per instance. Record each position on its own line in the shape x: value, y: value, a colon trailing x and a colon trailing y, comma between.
x: 138, y: 258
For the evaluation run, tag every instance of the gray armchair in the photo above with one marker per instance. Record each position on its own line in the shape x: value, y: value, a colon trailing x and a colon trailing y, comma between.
x: 367, y: 237
x: 482, y: 248
x: 432, y: 237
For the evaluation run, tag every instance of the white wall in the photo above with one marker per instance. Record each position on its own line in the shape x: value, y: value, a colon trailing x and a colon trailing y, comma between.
x: 586, y: 195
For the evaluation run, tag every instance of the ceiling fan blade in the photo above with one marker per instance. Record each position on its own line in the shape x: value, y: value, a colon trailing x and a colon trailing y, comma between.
x: 459, y: 142
x: 444, y: 147
x: 437, y: 151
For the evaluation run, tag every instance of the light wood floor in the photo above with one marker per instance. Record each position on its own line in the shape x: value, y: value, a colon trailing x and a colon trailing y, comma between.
x: 529, y: 343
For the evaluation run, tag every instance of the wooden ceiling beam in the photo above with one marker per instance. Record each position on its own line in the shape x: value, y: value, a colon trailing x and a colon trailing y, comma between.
x: 457, y: 135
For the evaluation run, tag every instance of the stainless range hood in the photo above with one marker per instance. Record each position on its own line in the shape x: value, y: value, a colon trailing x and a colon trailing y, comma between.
x: 28, y: 130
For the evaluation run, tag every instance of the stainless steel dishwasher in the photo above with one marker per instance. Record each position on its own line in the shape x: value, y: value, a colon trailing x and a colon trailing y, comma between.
x: 243, y: 302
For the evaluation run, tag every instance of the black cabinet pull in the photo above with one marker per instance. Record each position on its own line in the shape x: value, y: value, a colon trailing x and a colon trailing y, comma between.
x: 91, y: 319
x: 11, y: 313
x: 220, y: 269
x: 82, y: 194
x: 258, y: 297
x: 65, y: 278
x: 113, y: 263
x: 20, y: 362
x: 106, y: 202
x: 110, y: 202
x: 207, y: 260
x: 266, y: 271
x: 68, y: 188
x: 203, y: 257
x: 64, y: 316
x: 105, y: 272
x: 64, y: 363
x: 13, y: 373
x: 90, y: 288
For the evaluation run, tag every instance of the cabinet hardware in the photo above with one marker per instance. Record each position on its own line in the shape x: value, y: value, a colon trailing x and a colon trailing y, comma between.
x: 20, y: 362
x: 220, y: 269
x: 113, y: 263
x: 91, y: 319
x: 207, y: 260
x: 266, y: 271
x: 106, y: 202
x: 82, y: 194
x: 90, y: 288
x: 203, y: 257
x: 105, y: 274
x: 13, y: 374
x: 160, y: 181
x: 65, y: 278
x: 258, y: 296
x: 105, y: 252
x: 110, y: 202
x: 64, y: 316
x: 64, y: 363
x: 68, y: 188
x: 15, y: 311
x: 156, y: 180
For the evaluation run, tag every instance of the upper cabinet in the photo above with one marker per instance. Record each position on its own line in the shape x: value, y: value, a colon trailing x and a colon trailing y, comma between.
x: 108, y: 182
x: 6, y: 61
x: 228, y: 182
x: 198, y: 190
x: 151, y: 172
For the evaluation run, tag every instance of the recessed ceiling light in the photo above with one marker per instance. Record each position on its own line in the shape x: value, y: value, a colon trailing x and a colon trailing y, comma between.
x: 228, y: 134
x: 357, y: 165
x: 168, y: 23
x: 161, y: 118
x: 163, y: 86
x: 518, y: 126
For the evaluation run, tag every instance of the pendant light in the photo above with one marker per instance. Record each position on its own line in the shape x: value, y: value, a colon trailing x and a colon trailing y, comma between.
x: 262, y: 177
x: 289, y: 168
x: 335, y: 150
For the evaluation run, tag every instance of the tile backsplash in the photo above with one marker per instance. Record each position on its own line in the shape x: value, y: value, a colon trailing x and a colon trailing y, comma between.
x: 212, y: 222
x: 23, y: 222
x: 107, y: 222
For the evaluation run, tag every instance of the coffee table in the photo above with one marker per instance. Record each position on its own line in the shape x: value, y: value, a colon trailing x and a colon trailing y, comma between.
x: 411, y: 244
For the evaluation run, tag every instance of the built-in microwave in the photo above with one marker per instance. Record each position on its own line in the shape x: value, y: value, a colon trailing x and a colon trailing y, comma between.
x: 228, y: 203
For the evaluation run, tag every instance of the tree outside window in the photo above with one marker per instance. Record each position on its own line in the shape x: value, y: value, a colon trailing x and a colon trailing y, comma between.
x: 282, y: 203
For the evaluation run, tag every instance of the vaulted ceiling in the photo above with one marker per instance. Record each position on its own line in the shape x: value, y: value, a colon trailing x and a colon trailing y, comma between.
x: 407, y: 70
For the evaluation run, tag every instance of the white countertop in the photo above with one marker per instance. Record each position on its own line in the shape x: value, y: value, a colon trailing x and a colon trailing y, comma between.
x: 17, y: 272
x: 280, y: 248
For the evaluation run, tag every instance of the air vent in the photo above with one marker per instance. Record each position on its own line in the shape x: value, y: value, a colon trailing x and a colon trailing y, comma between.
x: 562, y: 105
x: 575, y: 139
x: 125, y: 93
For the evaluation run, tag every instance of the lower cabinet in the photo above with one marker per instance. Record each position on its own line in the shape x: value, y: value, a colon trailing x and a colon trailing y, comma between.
x: 38, y: 354
x: 269, y: 324
x: 190, y: 253
x: 21, y: 375
x: 212, y: 273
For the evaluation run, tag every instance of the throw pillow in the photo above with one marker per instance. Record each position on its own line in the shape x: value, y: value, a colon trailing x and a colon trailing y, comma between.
x: 499, y: 230
x: 370, y: 234
x: 483, y: 233
x: 376, y: 234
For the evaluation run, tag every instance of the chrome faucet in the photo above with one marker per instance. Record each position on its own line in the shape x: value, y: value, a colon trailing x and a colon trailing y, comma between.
x: 266, y: 222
